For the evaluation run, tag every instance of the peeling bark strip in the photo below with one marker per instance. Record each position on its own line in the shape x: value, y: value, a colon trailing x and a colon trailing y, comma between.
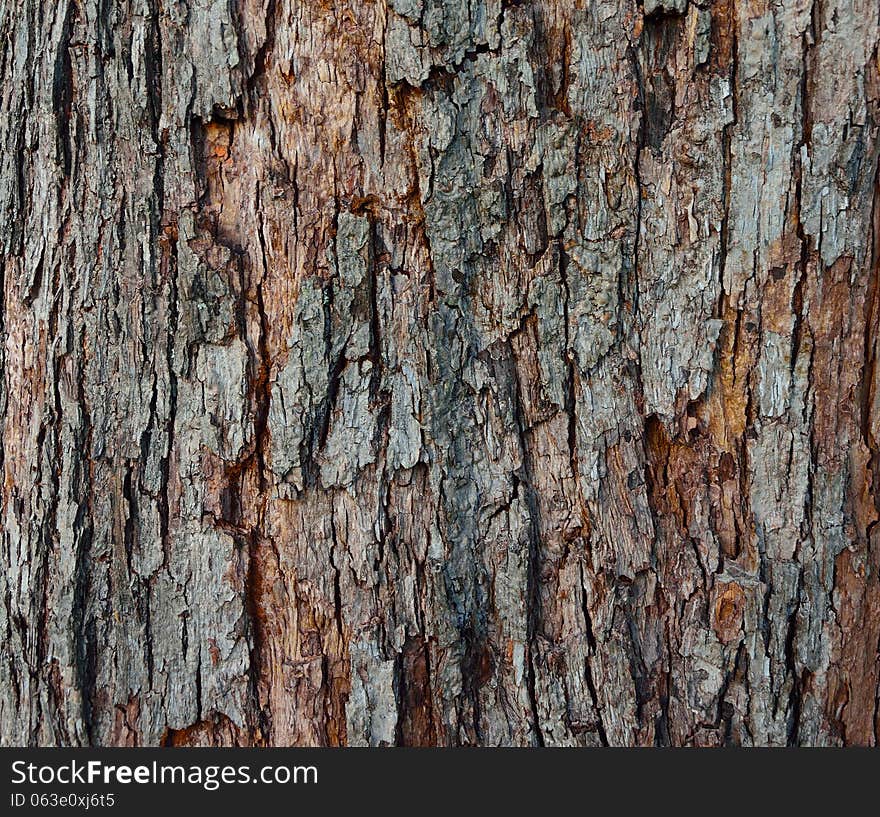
x: 430, y: 372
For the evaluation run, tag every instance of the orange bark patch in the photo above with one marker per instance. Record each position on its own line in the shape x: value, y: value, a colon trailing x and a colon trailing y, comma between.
x: 853, y: 677
x: 729, y: 607
x: 417, y: 716
x: 218, y: 731
x: 125, y: 723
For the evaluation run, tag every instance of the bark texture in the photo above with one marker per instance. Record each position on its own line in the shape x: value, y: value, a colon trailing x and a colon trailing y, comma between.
x: 439, y: 372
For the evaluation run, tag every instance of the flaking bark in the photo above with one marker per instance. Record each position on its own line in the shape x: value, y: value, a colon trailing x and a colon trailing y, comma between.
x: 429, y: 372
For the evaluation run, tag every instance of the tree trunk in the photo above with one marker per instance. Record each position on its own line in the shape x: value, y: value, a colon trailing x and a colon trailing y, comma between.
x: 431, y: 372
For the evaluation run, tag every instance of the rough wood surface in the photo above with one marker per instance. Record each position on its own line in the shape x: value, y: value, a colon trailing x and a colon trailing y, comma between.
x: 432, y: 372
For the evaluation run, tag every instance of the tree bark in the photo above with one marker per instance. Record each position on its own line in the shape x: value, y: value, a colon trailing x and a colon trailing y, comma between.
x: 433, y: 373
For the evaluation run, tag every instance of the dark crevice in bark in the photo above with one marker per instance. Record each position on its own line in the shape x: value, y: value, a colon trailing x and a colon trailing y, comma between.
x: 571, y: 372
x: 641, y: 141
x: 656, y: 84
x: 153, y: 78
x: 727, y: 186
x: 663, y: 737
x: 337, y: 584
x: 334, y: 379
x: 257, y: 540
x: 794, y: 703
x: 260, y: 723
x: 264, y: 52
x: 415, y: 722
x: 533, y: 578
x: 588, y: 668
x: 62, y: 89
x: 169, y: 255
